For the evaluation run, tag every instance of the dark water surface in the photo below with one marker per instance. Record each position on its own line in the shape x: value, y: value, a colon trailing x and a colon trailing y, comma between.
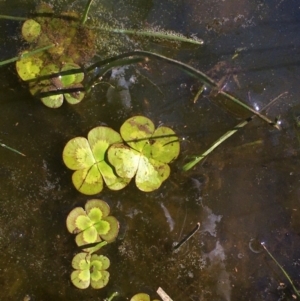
x: 246, y: 189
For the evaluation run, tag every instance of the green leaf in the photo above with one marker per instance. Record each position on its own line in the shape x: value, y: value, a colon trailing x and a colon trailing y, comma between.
x: 81, y: 261
x: 105, y: 262
x: 113, y: 181
x: 29, y: 67
x: 113, y: 229
x: 95, y: 214
x: 53, y: 101
x: 75, y: 97
x: 102, y: 227
x: 71, y: 219
x: 77, y: 154
x: 165, y: 147
x: 151, y: 174
x: 100, y: 138
x: 102, y: 281
x: 31, y: 30
x: 96, y: 203
x: 88, y: 181
x: 83, y: 222
x: 125, y: 160
x: 140, y: 297
x: 136, y: 131
x: 81, y: 240
x: 77, y: 276
x: 90, y: 235
x: 72, y: 78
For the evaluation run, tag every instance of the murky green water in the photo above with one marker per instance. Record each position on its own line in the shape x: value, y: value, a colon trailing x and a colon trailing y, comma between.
x: 246, y: 189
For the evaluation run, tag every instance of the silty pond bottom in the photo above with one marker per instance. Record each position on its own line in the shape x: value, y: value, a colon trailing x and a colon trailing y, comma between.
x: 246, y: 189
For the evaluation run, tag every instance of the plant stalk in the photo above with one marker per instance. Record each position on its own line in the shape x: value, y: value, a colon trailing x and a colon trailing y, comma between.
x: 86, y: 12
x: 191, y: 71
x: 283, y: 270
x: 12, y: 18
x: 153, y: 34
x: 228, y: 134
x: 30, y: 53
x: 12, y: 149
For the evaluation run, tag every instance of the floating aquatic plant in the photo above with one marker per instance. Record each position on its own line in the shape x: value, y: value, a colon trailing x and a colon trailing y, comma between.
x: 145, y: 153
x: 141, y: 297
x: 90, y: 270
x: 56, y: 69
x: 92, y: 224
x: 87, y: 158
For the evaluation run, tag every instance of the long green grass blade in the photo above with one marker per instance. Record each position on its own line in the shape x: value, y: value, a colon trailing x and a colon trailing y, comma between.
x: 283, y: 270
x: 30, y: 53
x: 227, y: 135
x: 12, y: 18
x: 86, y: 12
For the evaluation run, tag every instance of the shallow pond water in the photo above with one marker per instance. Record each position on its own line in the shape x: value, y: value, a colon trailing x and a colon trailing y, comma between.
x: 246, y: 189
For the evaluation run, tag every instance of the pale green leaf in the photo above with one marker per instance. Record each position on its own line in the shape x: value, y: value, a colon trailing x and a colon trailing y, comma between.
x: 81, y: 261
x: 71, y: 219
x: 136, y: 132
x: 124, y: 159
x: 83, y: 222
x: 76, y: 278
x: 165, y: 147
x: 88, y: 181
x: 113, y: 229
x: 77, y: 154
x: 113, y: 181
x: 151, y: 174
x: 90, y: 235
x: 102, y: 227
x: 96, y: 203
x: 95, y: 214
x: 102, y: 281
x: 100, y: 138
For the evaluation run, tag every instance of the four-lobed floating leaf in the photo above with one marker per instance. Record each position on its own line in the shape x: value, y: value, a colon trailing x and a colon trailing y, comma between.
x: 90, y: 270
x: 146, y: 153
x: 87, y: 158
x: 93, y: 223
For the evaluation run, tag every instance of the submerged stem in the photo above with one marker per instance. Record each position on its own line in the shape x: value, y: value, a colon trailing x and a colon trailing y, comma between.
x: 30, y: 53
x: 12, y: 18
x: 228, y: 134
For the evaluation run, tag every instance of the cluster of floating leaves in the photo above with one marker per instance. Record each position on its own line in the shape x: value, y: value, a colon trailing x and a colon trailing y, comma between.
x: 57, y: 68
x: 93, y: 224
x: 141, y: 151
